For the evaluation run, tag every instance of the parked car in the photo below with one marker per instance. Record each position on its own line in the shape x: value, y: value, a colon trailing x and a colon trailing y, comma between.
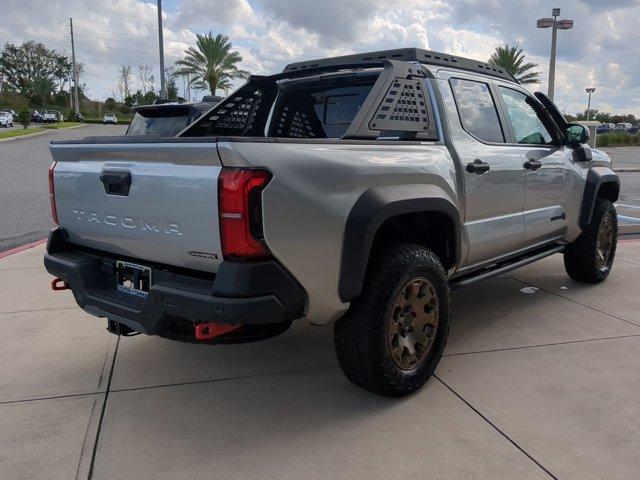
x: 605, y: 128
x: 166, y: 119
x: 13, y: 114
x: 354, y: 191
x: 36, y: 117
x: 6, y: 119
x: 622, y: 127
x: 52, y: 116
x: 109, y: 118
x: 635, y: 129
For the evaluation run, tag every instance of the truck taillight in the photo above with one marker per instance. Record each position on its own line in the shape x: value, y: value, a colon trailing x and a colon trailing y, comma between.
x: 240, y: 205
x: 52, y: 194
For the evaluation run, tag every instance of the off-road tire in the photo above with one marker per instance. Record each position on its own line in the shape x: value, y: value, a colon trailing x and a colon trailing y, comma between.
x: 361, y: 336
x: 581, y: 258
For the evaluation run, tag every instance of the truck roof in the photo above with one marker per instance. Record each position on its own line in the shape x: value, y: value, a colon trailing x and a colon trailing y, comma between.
x: 426, y: 57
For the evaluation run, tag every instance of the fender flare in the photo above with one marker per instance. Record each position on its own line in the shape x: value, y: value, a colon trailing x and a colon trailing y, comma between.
x: 597, y: 177
x: 371, y: 210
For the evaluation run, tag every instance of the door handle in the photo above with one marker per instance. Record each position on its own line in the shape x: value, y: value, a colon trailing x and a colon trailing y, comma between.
x: 532, y: 165
x: 478, y: 167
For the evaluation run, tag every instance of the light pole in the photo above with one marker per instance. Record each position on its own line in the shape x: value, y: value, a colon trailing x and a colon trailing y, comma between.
x: 163, y: 92
x: 556, y: 25
x: 75, y: 71
x: 589, y: 90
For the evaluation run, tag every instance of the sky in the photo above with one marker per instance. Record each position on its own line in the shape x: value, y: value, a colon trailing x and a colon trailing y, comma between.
x: 601, y: 51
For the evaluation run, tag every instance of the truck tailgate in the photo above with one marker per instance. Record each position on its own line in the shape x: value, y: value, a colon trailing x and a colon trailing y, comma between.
x: 155, y: 201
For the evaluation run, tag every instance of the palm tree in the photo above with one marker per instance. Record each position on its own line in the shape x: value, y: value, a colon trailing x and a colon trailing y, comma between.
x: 512, y: 59
x: 212, y: 65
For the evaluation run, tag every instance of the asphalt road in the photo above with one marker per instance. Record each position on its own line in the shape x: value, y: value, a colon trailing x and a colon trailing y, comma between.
x: 626, y: 160
x: 24, y: 199
x: 24, y: 192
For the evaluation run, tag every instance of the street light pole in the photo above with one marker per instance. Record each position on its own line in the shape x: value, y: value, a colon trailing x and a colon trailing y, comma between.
x: 163, y: 91
x: 556, y: 25
x: 75, y: 71
x: 552, y: 61
x: 589, y: 90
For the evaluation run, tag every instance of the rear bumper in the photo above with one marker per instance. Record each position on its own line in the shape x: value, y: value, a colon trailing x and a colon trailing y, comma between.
x: 240, y: 293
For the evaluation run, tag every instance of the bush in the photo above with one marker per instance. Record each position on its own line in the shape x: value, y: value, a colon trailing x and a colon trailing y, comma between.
x: 71, y: 116
x: 617, y: 139
x: 24, y: 117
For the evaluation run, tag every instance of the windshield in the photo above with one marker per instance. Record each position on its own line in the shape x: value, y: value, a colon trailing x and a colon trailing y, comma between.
x: 165, y: 122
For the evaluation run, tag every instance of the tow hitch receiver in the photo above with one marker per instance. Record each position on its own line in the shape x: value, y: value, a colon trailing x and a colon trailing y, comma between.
x: 209, y: 330
x: 59, y: 284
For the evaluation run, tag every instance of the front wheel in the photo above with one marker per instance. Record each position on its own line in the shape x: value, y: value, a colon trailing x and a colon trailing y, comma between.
x: 392, y: 337
x: 589, y: 259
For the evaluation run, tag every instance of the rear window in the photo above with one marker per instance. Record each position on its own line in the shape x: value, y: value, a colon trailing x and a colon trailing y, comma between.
x: 318, y: 111
x: 166, y: 122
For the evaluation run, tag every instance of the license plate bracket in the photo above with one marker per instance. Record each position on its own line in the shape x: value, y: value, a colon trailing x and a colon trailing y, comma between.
x: 133, y: 279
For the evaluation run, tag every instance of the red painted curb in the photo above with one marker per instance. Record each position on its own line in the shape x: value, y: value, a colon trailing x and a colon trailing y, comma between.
x: 21, y: 248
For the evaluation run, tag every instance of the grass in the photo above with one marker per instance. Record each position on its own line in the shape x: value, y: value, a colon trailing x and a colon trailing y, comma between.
x: 40, y: 128
x: 617, y: 140
x: 19, y: 132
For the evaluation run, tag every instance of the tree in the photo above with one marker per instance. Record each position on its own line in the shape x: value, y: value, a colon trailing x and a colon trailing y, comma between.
x: 146, y: 77
x: 22, y: 64
x: 42, y: 89
x: 110, y: 103
x: 124, y: 81
x: 62, y: 70
x: 24, y: 117
x: 172, y: 87
x: 212, y: 65
x: 512, y: 60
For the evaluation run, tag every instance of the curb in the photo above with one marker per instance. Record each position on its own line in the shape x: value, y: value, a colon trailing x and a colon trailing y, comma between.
x: 631, y: 169
x: 21, y: 248
x: 35, y: 134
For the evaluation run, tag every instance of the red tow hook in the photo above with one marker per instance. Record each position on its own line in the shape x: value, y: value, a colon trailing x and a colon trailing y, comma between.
x: 209, y: 330
x: 59, y: 284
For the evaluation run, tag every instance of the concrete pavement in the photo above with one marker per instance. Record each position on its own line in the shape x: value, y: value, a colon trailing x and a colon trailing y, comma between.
x: 539, y: 380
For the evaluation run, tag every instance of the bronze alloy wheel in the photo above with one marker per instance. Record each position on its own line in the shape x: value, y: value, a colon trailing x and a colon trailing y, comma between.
x: 604, y: 242
x: 414, y: 323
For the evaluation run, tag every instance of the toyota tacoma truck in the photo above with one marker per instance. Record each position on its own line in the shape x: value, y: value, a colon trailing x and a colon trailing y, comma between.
x: 355, y: 191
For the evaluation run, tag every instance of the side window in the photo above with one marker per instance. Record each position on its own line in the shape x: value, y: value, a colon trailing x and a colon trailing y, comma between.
x: 527, y: 125
x: 477, y: 110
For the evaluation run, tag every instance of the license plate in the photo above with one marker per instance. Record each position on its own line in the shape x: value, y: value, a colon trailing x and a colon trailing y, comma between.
x: 133, y: 279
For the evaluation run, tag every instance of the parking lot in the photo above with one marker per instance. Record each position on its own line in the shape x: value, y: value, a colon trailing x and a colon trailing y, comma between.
x: 539, y: 380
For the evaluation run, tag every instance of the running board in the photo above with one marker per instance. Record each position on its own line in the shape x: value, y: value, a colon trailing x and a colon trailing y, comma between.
x: 504, y: 267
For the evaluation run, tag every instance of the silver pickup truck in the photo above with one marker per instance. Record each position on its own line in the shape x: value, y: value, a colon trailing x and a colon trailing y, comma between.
x: 355, y: 190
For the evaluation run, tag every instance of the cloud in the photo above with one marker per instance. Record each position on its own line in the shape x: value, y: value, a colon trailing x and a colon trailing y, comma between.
x: 600, y: 51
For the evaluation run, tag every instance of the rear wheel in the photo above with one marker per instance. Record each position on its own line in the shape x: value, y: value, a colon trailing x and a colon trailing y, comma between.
x: 589, y: 259
x: 392, y: 337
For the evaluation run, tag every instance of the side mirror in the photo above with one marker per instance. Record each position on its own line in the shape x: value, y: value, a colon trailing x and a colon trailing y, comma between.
x: 577, y: 135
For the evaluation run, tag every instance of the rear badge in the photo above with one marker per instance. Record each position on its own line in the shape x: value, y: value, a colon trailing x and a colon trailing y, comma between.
x: 210, y: 256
